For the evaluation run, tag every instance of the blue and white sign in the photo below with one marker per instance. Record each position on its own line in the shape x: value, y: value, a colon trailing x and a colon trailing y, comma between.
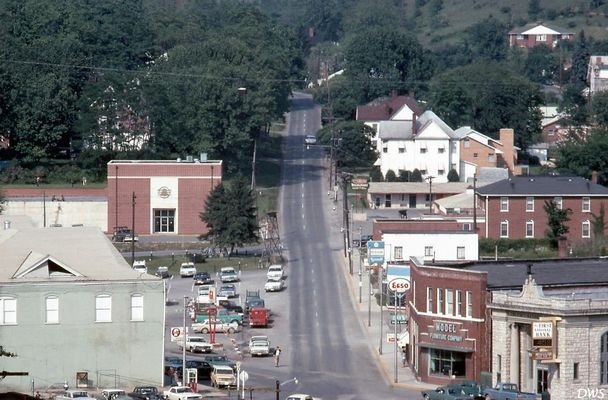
x: 398, y: 271
x: 375, y: 252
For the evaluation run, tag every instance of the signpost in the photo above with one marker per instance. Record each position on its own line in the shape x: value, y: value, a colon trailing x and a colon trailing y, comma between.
x: 375, y: 252
x: 398, y: 286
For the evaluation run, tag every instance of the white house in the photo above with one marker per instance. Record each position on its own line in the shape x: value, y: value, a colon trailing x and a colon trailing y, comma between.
x: 440, y: 246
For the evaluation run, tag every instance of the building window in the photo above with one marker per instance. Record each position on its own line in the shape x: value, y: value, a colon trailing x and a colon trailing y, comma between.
x: 52, y: 310
x: 499, y: 368
x: 466, y: 226
x: 398, y: 252
x: 460, y: 252
x: 164, y: 220
x: 504, y: 204
x: 504, y: 229
x: 529, y: 204
x: 447, y: 363
x: 469, y: 304
x: 529, y: 229
x: 541, y: 38
x: 586, y: 204
x: 375, y: 127
x: 586, y: 229
x: 440, y: 301
x: 491, y: 157
x: 441, y: 150
x: 8, y: 311
x: 428, y: 251
x: 575, y: 371
x: 467, y: 143
x: 475, y: 155
x: 387, y: 201
x: 401, y: 150
x: 103, y: 308
x: 385, y: 149
x: 520, y: 37
x: 429, y: 300
x: 137, y: 307
x: 604, y: 359
x: 558, y: 202
x: 449, y: 302
x: 423, y: 150
x: 441, y: 171
x: 458, y: 302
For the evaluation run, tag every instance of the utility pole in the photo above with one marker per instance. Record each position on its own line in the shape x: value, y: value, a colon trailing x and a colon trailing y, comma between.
x: 331, y: 127
x: 475, y: 203
x: 44, y: 208
x: 133, y: 229
x: 185, y: 339
x: 430, y: 179
x: 345, y: 221
x: 116, y: 198
x: 255, y: 147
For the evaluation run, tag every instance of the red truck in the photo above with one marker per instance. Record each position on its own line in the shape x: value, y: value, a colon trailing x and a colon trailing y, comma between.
x: 258, y: 316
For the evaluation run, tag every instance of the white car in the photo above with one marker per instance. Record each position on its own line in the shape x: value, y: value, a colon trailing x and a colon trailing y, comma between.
x: 256, y: 338
x: 301, y: 397
x: 228, y: 274
x: 275, y: 272
x: 187, y: 269
x: 140, y: 266
x: 274, y: 286
x: 259, y: 348
x: 196, y: 344
x: 310, y: 139
x: 220, y: 327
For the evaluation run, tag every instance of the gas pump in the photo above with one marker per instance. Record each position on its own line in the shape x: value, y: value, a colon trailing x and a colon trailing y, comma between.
x: 192, y: 379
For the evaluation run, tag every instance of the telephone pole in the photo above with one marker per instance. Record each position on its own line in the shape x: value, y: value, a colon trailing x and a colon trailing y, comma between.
x: 332, y: 181
x: 133, y: 228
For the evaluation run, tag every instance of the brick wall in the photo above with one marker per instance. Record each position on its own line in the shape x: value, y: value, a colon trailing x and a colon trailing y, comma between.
x: 483, y: 154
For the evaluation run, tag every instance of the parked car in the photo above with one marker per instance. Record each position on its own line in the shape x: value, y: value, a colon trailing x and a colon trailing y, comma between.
x: 145, y: 393
x: 300, y: 396
x: 111, y: 394
x: 74, y: 394
x: 507, y: 391
x: 275, y: 272
x: 222, y: 376
x: 202, y: 278
x: 124, y: 234
x: 254, y: 303
x: 449, y: 392
x: 227, y: 290
x: 230, y: 306
x: 259, y: 346
x: 274, y: 286
x: 258, y: 317
x: 228, y: 274
x: 181, y: 393
x: 187, y: 269
x: 196, y: 344
x: 220, y: 327
x: 203, y: 294
x: 203, y: 368
x: 217, y: 359
x: 140, y: 266
x: 162, y: 272
x: 310, y: 139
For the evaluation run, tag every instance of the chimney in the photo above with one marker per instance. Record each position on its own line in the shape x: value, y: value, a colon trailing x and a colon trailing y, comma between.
x: 507, y: 138
x: 414, y: 127
x: 411, y: 94
x: 594, y: 177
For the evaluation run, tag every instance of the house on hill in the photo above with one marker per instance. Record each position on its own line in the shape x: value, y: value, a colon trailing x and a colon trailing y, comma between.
x: 538, y: 34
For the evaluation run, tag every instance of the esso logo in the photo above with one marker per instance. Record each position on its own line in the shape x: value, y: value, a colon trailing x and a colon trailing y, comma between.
x: 399, y: 285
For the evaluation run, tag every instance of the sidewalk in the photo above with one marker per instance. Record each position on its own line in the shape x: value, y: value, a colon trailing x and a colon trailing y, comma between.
x: 369, y: 311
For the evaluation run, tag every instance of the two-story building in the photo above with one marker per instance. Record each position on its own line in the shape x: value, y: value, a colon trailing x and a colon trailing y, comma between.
x: 73, y: 310
x: 514, y: 207
x: 538, y: 34
x: 597, y: 74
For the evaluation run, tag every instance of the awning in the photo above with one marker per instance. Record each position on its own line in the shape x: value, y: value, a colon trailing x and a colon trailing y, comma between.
x: 447, y: 347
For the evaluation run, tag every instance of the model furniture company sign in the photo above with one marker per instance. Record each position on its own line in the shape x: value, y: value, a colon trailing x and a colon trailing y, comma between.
x: 446, y: 331
x: 375, y: 252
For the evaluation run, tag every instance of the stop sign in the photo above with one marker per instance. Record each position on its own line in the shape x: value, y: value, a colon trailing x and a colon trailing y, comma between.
x: 399, y: 285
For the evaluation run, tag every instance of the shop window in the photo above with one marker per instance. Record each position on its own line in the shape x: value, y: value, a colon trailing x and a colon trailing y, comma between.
x: 8, y: 311
x: 103, y: 308
x: 429, y: 300
x: 137, y: 307
x: 604, y: 359
x: 586, y: 204
x: 52, y: 310
x: 447, y: 363
x: 164, y: 221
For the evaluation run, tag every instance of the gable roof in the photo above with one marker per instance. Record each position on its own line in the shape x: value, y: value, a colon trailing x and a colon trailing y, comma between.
x: 383, y: 108
x: 543, y: 186
x: 540, y: 29
x: 427, y: 118
x: 467, y: 131
x: 395, y: 130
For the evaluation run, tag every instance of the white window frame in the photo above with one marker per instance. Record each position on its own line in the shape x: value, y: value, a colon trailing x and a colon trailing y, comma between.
x: 137, y: 307
x: 530, y: 204
x: 466, y: 143
x: 8, y: 310
x: 401, y: 150
x: 440, y: 171
x: 449, y: 302
x: 440, y: 301
x: 504, y: 204
x: 506, y: 224
x: 541, y: 38
x: 51, y: 310
x: 428, y: 251
x: 559, y: 202
x: 586, y: 229
x: 528, y: 224
x: 586, y: 206
x: 460, y: 252
x: 458, y: 305
x: 469, y: 296
x: 398, y: 252
x: 429, y: 300
x: 103, y: 308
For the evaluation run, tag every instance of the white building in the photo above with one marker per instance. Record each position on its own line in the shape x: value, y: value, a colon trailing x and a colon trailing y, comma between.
x: 442, y: 246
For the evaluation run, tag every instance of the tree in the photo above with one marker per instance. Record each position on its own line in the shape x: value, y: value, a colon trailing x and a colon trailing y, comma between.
x: 599, y: 225
x: 534, y: 9
x: 354, y: 148
x: 404, y: 175
x: 416, y: 176
x: 453, y: 176
x: 556, y: 221
x: 230, y: 214
x: 574, y: 104
x: 2, y: 202
x: 581, y: 156
x: 580, y: 60
x: 390, y: 176
x: 599, y: 107
x: 542, y: 65
x: 375, y: 175
x: 486, y: 40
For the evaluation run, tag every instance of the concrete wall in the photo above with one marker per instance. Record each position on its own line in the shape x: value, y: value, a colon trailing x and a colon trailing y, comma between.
x: 66, y: 213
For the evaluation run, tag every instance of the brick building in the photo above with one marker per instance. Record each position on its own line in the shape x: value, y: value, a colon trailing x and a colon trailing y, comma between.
x: 447, y: 308
x: 170, y: 195
x: 514, y: 207
x: 538, y: 34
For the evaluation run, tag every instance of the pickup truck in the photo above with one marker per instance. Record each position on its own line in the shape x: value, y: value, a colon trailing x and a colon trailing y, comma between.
x: 145, y: 393
x: 507, y: 391
x: 196, y: 344
x: 181, y: 393
x: 74, y: 394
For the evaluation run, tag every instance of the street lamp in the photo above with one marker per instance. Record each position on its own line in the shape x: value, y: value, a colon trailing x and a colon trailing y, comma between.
x: 278, y: 385
x: 430, y: 179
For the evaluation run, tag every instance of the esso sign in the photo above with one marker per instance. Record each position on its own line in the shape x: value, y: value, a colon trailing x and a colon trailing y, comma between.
x: 399, y: 285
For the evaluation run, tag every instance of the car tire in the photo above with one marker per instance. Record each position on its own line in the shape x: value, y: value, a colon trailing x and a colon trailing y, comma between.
x: 231, y: 330
x: 488, y: 397
x: 234, y: 321
x: 425, y: 397
x: 205, y: 330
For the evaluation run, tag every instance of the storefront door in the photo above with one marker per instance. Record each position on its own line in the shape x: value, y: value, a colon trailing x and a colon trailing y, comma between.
x: 542, y: 377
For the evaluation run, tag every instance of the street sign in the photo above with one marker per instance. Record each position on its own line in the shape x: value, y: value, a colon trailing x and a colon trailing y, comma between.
x: 399, y: 285
x: 176, y: 333
x: 243, y: 376
x: 375, y: 252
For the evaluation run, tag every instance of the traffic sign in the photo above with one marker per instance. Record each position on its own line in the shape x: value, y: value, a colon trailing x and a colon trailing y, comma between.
x: 243, y: 376
x: 375, y: 252
x: 399, y: 285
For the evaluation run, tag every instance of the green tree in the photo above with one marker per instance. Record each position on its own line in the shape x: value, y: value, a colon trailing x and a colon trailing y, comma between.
x: 390, y: 176
x: 2, y: 201
x: 354, y: 147
x: 580, y: 60
x: 542, y: 65
x: 556, y: 221
x: 599, y: 224
x: 375, y: 175
x: 230, y: 214
x: 599, y: 107
x: 453, y: 176
x: 534, y: 9
x: 581, y: 156
x: 574, y: 104
x: 416, y: 176
x: 404, y: 175
x: 486, y: 40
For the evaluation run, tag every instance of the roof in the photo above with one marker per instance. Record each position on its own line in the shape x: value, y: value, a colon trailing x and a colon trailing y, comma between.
x: 417, y: 187
x: 460, y: 200
x: 32, y: 254
x: 547, y: 273
x: 383, y: 108
x: 395, y: 130
x: 467, y: 131
x: 489, y: 175
x: 543, y: 186
x: 427, y: 117
x: 540, y: 29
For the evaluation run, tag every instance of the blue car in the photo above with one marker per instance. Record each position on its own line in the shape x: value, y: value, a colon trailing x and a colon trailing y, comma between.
x: 227, y: 290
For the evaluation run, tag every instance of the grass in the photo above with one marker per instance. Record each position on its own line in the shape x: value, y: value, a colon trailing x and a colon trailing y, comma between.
x: 268, y: 172
x: 211, y: 265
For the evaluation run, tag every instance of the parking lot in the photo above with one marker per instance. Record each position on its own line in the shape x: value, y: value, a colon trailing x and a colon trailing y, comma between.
x: 234, y: 346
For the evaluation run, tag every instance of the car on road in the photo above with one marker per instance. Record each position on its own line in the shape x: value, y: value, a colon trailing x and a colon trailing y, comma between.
x: 301, y: 397
x: 145, y: 393
x: 275, y: 272
x: 220, y: 327
x: 254, y: 303
x: 202, y: 278
x: 274, y: 286
x: 163, y: 272
x: 216, y: 359
x: 187, y: 270
x: 181, y: 393
x: 124, y: 234
x: 259, y: 346
x: 448, y: 392
x: 222, y: 376
x: 310, y: 139
x: 230, y: 306
x: 227, y: 290
x: 196, y: 344
x: 228, y: 274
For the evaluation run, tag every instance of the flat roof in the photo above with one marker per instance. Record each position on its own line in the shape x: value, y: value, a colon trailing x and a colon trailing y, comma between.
x: 164, y: 162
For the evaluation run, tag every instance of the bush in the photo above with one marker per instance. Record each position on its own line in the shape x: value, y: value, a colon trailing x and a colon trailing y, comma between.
x: 453, y: 176
x: 516, y: 248
x: 416, y: 176
x: 375, y: 175
x: 390, y: 176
